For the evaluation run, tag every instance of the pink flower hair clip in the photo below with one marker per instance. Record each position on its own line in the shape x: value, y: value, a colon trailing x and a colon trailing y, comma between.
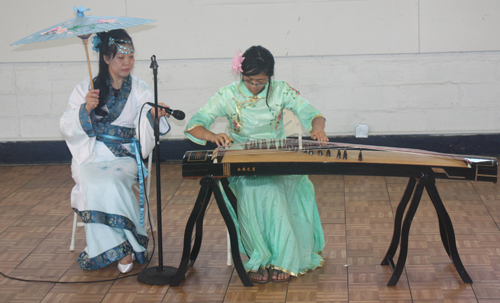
x: 237, y: 61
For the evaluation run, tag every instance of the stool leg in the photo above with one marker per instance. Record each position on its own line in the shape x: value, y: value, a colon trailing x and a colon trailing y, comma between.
x: 229, y: 258
x: 73, y: 233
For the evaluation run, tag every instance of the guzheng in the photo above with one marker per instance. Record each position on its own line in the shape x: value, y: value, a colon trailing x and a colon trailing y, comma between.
x: 294, y: 157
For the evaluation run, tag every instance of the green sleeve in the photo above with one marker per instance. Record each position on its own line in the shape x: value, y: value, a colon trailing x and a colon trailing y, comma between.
x: 293, y: 101
x: 207, y: 115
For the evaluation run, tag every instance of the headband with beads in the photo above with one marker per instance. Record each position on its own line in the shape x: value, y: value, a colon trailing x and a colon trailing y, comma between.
x: 122, y: 49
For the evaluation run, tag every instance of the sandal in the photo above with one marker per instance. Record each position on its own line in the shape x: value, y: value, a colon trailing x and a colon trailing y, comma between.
x: 278, y: 272
x: 259, y: 273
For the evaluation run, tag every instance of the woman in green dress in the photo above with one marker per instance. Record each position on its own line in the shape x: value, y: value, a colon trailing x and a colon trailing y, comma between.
x: 278, y: 224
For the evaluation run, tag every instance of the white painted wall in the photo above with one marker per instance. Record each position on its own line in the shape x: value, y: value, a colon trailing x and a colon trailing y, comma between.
x: 399, y: 66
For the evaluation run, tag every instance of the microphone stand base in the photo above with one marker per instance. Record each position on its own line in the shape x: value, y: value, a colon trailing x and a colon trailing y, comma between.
x: 155, y: 276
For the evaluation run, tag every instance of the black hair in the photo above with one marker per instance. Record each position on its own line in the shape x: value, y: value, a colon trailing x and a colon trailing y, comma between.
x: 101, y: 80
x: 258, y: 59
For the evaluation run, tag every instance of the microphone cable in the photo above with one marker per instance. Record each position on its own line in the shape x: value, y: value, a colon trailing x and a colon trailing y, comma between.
x: 117, y: 278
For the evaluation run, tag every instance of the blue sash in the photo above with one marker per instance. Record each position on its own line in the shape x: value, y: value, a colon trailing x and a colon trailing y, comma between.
x: 135, y: 148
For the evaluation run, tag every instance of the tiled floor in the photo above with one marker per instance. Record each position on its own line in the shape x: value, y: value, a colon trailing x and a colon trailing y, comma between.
x: 357, y: 215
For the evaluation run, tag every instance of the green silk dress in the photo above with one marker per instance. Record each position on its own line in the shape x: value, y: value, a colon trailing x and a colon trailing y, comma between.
x: 278, y: 222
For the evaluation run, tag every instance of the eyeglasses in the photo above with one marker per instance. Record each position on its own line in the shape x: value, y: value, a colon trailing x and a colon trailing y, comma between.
x: 253, y: 84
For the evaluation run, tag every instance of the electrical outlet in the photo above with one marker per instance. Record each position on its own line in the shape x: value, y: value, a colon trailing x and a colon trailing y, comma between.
x: 361, y: 131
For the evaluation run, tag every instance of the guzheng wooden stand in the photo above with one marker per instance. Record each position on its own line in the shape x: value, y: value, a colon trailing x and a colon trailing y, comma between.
x: 265, y: 158
x: 414, y: 188
x: 209, y: 186
x: 445, y: 227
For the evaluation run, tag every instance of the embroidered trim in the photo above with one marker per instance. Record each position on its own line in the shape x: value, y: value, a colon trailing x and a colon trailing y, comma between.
x: 116, y: 104
x: 115, y: 253
x: 300, y: 273
x: 122, y: 134
x: 85, y: 121
x: 252, y: 98
x: 289, y: 272
x: 112, y: 220
x: 237, y: 122
x: 151, y: 119
x: 193, y: 127
x: 112, y: 255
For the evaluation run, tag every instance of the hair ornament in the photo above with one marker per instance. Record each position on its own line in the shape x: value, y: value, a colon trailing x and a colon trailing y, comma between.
x: 97, y: 43
x: 122, y: 49
x: 237, y: 61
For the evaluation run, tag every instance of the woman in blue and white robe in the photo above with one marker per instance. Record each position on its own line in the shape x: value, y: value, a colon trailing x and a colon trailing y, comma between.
x: 100, y: 129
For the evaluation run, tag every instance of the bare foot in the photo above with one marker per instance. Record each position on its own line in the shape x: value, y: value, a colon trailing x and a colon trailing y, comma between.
x: 259, y: 277
x: 280, y: 276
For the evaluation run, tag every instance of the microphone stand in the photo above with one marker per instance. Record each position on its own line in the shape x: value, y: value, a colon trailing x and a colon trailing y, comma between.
x: 160, y: 275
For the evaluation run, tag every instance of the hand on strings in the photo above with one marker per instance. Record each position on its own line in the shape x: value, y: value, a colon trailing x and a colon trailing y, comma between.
x: 161, y: 112
x: 318, y: 130
x: 92, y: 99
x: 320, y: 135
x: 220, y: 139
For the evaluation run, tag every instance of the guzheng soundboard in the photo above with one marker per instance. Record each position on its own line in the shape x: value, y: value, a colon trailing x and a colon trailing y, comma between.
x: 294, y: 157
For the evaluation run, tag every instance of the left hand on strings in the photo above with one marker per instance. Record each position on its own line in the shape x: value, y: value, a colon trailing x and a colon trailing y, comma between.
x: 161, y: 112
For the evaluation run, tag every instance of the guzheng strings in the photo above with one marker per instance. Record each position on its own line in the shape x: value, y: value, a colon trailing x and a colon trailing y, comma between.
x: 292, y: 145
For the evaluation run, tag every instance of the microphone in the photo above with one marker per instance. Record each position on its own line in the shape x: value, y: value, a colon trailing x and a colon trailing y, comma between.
x: 177, y: 114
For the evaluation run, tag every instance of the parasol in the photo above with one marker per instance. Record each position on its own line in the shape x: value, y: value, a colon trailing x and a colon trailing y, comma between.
x: 82, y: 27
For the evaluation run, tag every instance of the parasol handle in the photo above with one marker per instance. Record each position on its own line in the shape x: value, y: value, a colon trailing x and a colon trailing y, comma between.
x: 85, y: 40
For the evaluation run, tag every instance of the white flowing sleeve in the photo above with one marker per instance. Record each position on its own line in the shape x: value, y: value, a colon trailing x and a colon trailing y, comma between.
x: 80, y: 141
x: 145, y: 123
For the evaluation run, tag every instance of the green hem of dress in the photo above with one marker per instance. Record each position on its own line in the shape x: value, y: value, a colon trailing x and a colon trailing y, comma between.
x: 289, y: 272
